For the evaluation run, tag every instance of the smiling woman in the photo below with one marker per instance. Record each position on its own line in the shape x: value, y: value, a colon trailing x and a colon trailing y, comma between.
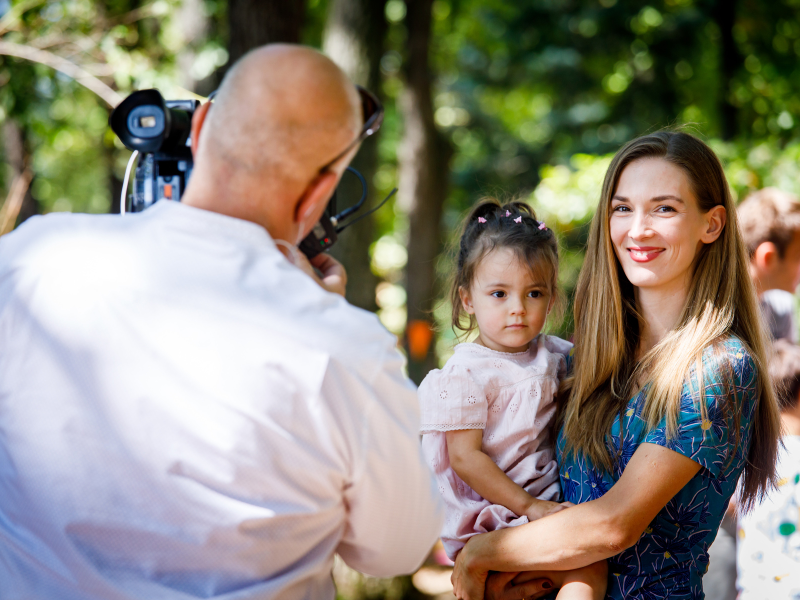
x: 668, y: 402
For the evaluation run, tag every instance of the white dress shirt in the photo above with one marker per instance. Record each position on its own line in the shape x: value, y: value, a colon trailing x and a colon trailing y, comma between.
x: 185, y: 414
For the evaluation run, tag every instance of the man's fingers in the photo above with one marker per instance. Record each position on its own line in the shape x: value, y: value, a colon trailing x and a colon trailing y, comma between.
x: 334, y: 277
x: 328, y: 266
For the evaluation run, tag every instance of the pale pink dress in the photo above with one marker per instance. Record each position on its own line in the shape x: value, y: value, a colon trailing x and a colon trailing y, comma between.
x: 510, y: 397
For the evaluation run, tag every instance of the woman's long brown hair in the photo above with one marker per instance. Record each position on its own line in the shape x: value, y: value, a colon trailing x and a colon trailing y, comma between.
x: 721, y: 302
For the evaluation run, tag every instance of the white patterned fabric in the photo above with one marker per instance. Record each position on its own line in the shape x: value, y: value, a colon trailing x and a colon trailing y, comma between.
x: 509, y: 396
x: 184, y: 414
x: 768, y: 549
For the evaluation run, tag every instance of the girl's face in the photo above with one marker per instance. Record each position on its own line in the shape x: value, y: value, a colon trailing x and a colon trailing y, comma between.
x: 656, y: 225
x: 509, y: 304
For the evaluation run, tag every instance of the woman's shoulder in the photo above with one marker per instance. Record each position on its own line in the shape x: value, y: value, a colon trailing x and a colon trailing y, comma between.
x: 727, y: 357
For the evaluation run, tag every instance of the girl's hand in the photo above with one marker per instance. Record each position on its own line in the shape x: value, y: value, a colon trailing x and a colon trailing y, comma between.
x: 542, y: 508
x: 468, y: 582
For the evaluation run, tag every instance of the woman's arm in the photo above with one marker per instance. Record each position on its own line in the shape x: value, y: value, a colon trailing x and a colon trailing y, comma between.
x: 481, y: 473
x: 584, y: 534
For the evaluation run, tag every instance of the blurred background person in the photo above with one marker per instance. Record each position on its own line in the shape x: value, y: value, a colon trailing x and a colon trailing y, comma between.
x: 768, y: 553
x: 770, y: 221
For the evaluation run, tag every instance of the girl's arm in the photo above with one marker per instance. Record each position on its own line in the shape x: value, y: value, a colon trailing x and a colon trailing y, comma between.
x: 582, y: 535
x: 480, y: 473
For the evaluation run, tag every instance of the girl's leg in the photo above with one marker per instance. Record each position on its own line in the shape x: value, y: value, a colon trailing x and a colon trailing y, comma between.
x: 587, y: 583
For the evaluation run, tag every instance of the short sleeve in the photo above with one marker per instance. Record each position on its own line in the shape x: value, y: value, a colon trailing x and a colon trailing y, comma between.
x: 451, y: 400
x: 728, y: 368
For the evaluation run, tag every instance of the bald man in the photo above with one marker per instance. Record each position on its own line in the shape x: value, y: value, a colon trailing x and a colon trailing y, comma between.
x: 185, y: 410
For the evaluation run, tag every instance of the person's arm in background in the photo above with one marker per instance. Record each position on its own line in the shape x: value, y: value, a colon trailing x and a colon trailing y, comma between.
x: 580, y: 536
x: 395, y: 513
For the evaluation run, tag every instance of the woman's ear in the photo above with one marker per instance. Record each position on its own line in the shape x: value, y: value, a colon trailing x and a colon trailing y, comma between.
x: 466, y: 301
x: 715, y: 223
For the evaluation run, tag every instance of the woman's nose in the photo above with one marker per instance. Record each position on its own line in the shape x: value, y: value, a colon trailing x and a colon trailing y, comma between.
x: 640, y: 226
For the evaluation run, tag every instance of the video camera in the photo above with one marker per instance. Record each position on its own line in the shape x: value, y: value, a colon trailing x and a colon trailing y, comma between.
x: 160, y: 131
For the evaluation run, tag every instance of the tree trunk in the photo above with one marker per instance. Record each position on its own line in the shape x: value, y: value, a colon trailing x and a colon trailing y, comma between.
x: 254, y: 23
x: 17, y: 155
x: 423, y: 158
x: 724, y: 14
x: 353, y: 38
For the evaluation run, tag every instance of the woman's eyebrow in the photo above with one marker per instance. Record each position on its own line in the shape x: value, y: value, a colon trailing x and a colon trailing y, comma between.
x: 653, y: 199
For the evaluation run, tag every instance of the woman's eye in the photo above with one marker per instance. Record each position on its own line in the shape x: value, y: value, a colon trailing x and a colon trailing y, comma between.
x: 620, y: 208
x: 499, y: 294
x: 665, y: 209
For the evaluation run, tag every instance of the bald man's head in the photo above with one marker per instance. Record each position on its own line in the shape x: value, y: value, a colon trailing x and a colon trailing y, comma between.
x: 282, y: 112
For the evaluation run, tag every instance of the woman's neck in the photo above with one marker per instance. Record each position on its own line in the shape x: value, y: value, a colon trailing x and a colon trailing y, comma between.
x: 660, y: 308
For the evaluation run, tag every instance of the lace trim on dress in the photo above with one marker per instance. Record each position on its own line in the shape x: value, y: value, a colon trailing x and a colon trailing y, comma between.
x: 452, y: 426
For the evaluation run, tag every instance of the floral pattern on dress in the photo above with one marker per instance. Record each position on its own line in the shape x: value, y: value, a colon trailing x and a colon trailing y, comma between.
x: 671, y: 557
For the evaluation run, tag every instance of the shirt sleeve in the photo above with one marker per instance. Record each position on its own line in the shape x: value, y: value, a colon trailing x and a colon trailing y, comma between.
x: 727, y: 369
x: 451, y: 400
x: 395, y: 512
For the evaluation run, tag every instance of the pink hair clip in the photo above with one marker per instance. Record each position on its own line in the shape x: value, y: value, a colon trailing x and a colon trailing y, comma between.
x: 542, y: 225
x: 508, y: 213
x: 481, y: 220
x: 518, y: 219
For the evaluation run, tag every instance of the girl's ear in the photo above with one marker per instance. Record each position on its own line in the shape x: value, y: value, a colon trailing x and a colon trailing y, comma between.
x: 466, y: 301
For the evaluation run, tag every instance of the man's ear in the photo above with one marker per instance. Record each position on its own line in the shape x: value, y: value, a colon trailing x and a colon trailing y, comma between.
x: 198, y: 118
x: 466, y: 301
x: 316, y: 194
x: 765, y: 256
x: 715, y: 219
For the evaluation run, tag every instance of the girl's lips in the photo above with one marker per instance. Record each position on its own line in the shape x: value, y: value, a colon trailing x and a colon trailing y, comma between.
x: 643, y: 255
x: 516, y: 326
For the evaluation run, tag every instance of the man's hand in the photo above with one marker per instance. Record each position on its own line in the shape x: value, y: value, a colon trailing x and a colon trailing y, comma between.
x: 333, y: 276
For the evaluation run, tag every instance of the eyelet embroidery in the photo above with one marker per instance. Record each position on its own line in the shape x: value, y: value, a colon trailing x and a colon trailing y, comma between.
x: 471, y: 400
x: 496, y: 407
x: 513, y: 407
x: 443, y: 394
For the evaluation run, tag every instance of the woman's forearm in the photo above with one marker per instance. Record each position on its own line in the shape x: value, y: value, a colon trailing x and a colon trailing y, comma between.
x: 569, y: 539
x: 592, y: 531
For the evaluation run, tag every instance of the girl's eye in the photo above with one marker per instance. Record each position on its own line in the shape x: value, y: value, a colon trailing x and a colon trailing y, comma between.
x: 535, y: 294
x: 499, y: 294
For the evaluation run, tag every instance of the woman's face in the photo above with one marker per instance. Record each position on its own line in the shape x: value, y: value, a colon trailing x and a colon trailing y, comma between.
x: 656, y: 224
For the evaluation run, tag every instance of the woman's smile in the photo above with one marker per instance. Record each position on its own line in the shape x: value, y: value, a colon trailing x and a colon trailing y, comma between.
x: 643, y: 254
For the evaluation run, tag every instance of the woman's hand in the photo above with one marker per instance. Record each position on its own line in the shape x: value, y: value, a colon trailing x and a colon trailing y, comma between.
x: 516, y: 586
x: 468, y: 582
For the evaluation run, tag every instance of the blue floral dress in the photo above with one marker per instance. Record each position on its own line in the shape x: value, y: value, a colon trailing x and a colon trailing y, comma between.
x: 671, y: 557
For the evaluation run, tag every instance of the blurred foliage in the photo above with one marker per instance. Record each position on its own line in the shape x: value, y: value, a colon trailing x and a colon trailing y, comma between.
x: 534, y: 96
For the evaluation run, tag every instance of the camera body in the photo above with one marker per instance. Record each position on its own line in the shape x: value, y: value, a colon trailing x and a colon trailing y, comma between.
x: 163, y: 175
x: 160, y: 131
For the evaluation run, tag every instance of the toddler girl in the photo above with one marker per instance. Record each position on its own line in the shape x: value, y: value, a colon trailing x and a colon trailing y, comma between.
x: 486, y: 415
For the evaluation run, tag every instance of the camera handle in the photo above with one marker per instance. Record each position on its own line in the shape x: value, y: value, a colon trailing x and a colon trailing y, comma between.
x: 123, y: 200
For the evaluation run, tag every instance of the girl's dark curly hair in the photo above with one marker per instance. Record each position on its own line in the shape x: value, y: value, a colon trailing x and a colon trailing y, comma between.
x: 491, y: 225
